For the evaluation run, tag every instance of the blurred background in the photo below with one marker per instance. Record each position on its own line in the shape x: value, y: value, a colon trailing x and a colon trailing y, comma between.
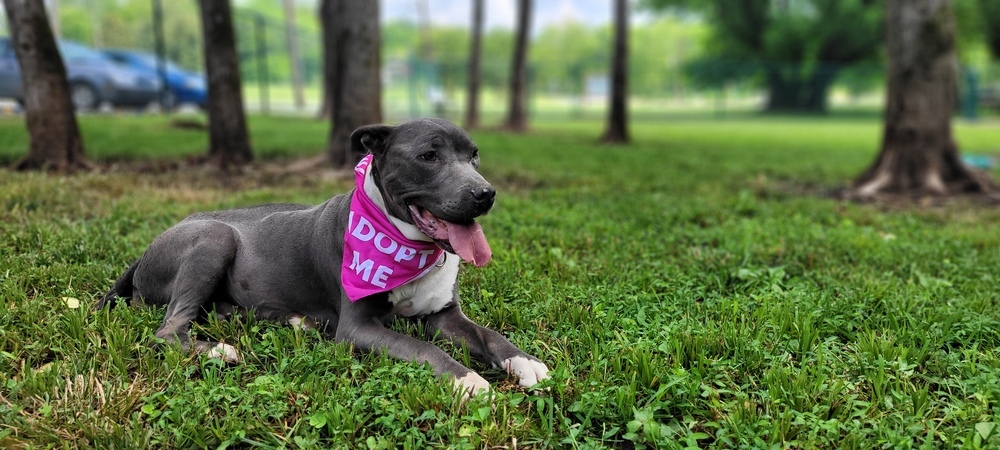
x: 685, y: 58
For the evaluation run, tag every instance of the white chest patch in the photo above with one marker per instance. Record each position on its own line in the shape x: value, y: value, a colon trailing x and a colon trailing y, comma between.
x: 429, y: 293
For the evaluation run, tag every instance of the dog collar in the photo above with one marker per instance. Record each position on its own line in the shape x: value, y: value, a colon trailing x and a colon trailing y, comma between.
x: 377, y: 256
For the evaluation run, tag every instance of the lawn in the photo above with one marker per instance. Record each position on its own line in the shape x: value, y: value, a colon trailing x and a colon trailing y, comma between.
x: 693, y: 289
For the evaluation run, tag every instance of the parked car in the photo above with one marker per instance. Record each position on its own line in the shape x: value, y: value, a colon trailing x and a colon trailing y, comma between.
x: 183, y: 86
x: 93, y: 79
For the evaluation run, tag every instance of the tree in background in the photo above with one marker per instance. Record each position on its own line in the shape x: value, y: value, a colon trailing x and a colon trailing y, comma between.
x: 294, y: 57
x: 919, y: 154
x: 517, y: 115
x: 229, y: 143
x: 475, y: 69
x: 451, y: 54
x: 328, y: 41
x: 799, y: 46
x: 128, y: 24
x: 990, y: 14
x: 351, y: 49
x: 55, y: 136
x: 617, y: 128
x: 564, y: 54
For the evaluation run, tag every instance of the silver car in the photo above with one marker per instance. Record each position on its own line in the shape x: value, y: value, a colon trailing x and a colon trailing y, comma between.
x: 93, y: 80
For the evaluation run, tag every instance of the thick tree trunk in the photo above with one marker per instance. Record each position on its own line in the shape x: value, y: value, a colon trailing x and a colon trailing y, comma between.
x: 798, y: 93
x: 919, y: 155
x: 229, y: 143
x: 351, y: 58
x: 55, y: 136
x: 617, y: 130
x: 475, y: 71
x: 517, y: 115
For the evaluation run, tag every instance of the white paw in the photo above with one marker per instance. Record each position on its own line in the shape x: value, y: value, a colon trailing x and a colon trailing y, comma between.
x: 529, y: 372
x: 301, y: 323
x: 225, y: 352
x: 471, y: 385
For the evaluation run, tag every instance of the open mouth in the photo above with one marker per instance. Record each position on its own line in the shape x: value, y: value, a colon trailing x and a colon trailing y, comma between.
x: 465, y: 240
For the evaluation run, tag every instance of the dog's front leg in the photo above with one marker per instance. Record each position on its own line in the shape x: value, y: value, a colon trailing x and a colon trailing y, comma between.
x: 370, y: 335
x: 485, y: 344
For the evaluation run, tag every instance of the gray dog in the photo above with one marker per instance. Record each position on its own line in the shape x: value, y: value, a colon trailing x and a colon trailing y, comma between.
x: 390, y: 247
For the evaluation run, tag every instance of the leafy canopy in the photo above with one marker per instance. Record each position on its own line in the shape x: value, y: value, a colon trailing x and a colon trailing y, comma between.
x: 799, y: 33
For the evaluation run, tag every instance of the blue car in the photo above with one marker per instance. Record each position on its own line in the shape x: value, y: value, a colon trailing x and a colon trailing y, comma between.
x: 182, y: 86
x: 93, y: 80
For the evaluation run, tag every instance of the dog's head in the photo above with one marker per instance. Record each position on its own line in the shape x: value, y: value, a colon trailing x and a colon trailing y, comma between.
x: 427, y: 173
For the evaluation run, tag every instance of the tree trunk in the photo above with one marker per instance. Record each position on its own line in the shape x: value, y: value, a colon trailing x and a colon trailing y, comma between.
x: 517, y: 116
x: 294, y: 57
x: 475, y: 71
x: 327, y: 43
x: 799, y: 93
x: 229, y: 143
x: 990, y: 11
x: 55, y: 23
x: 919, y: 155
x: 617, y: 130
x: 51, y: 121
x: 351, y: 56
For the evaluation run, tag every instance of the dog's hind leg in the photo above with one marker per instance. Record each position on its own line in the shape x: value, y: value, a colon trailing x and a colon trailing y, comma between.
x: 189, y: 262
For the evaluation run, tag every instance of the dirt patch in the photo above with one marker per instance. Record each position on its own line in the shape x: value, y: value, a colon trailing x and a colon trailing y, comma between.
x: 765, y: 186
x: 893, y: 201
x: 300, y: 172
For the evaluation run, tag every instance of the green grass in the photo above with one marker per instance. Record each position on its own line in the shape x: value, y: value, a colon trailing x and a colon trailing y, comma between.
x: 683, y: 290
x: 129, y: 136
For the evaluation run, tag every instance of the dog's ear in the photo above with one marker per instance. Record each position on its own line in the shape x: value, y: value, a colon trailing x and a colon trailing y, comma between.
x: 370, y: 139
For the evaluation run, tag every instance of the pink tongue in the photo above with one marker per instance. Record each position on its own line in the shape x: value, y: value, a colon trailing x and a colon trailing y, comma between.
x: 470, y: 243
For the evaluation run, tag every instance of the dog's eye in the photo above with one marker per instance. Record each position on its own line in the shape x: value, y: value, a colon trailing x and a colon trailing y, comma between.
x: 428, y: 156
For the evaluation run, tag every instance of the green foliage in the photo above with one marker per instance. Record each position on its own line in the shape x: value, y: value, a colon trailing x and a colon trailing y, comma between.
x: 129, y: 24
x: 564, y: 55
x: 117, y: 24
x: 688, y: 290
x: 798, y: 47
x: 151, y: 137
x: 789, y: 31
x: 560, y: 57
x: 989, y: 12
x: 401, y: 41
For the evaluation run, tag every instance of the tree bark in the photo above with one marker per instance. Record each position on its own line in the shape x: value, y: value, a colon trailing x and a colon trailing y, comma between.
x: 328, y: 44
x: 919, y: 155
x: 517, y: 115
x: 617, y: 128
x: 229, y: 143
x: 351, y: 58
x: 475, y: 70
x: 51, y: 121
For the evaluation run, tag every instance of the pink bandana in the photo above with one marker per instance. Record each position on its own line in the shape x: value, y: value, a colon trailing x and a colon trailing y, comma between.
x: 377, y: 257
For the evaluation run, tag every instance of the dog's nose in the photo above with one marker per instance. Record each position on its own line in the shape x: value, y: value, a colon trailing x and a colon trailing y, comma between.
x: 484, y: 194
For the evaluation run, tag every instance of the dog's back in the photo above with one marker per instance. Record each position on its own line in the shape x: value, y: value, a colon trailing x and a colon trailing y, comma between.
x: 124, y: 286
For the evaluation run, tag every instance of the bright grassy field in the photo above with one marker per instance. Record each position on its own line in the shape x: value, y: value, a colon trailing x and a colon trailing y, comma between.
x: 693, y: 289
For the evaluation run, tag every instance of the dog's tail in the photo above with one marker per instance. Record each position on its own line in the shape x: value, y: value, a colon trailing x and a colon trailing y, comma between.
x: 122, y: 288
